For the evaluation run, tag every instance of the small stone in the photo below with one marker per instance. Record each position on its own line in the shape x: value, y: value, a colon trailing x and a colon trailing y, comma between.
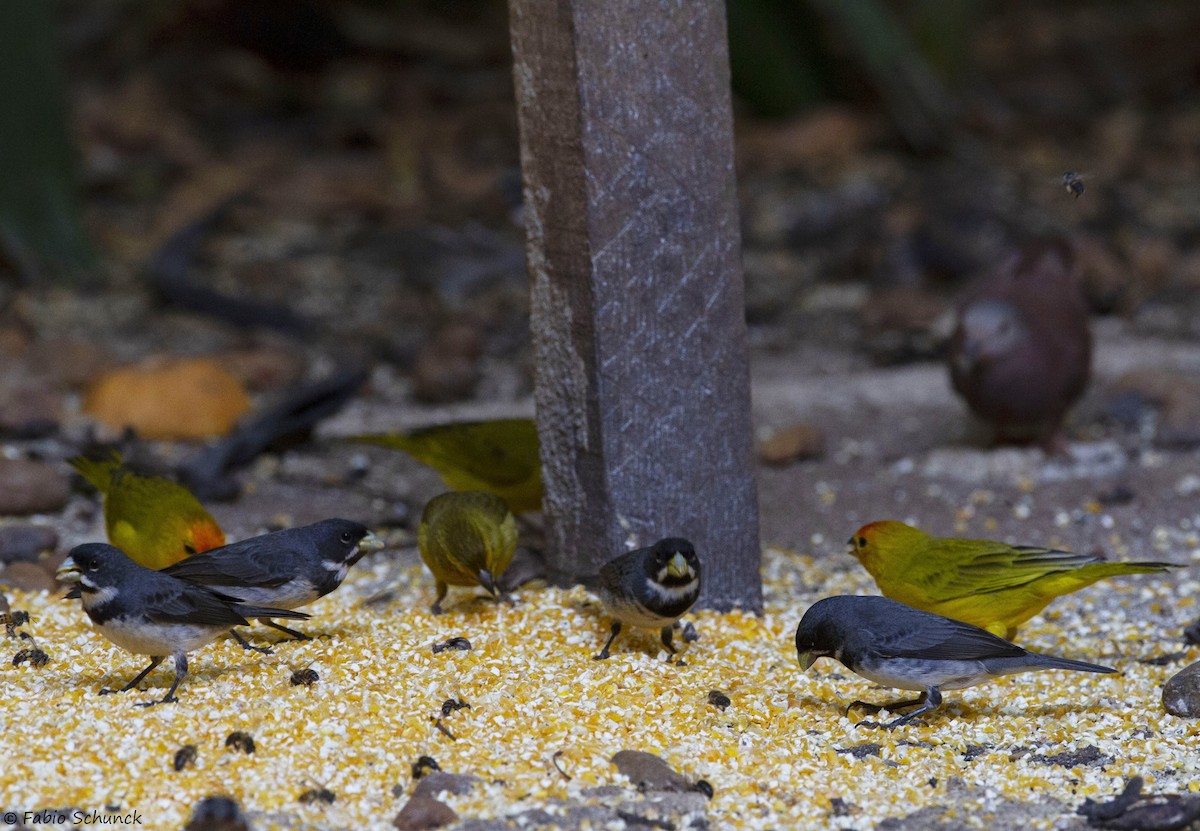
x: 795, y: 443
x: 1087, y: 755
x: 217, y: 813
x: 439, y: 781
x: 25, y: 542
x: 649, y: 772
x: 29, y: 577
x: 1181, y: 693
x: 31, y: 488
x: 422, y: 812
x: 29, y: 409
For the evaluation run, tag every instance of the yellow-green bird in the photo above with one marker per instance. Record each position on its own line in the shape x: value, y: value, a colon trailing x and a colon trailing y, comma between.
x: 990, y: 584
x: 500, y: 456
x: 154, y: 520
x: 466, y: 538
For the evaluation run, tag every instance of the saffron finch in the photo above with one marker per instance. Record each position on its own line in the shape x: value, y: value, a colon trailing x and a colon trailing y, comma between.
x: 466, y: 538
x: 500, y: 456
x: 993, y: 585
x: 152, y: 519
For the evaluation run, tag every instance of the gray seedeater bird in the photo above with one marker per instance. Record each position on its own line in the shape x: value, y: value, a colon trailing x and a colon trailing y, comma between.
x: 284, y: 569
x: 898, y: 646
x: 651, y: 587
x: 151, y: 613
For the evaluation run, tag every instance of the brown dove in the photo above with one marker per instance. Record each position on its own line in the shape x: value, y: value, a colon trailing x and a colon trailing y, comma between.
x: 1021, y: 352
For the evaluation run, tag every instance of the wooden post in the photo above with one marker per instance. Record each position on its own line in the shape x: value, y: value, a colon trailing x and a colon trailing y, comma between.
x: 643, y: 394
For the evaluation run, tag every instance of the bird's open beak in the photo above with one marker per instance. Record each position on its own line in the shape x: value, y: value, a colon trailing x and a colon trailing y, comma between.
x: 807, y: 659
x: 678, y: 567
x: 68, y: 572
x: 487, y: 581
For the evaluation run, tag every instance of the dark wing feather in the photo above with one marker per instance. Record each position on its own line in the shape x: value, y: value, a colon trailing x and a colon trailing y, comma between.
x: 256, y: 565
x: 911, y: 633
x: 190, y: 604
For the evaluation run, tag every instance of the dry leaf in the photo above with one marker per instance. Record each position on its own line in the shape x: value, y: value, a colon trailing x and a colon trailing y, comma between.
x: 189, y: 398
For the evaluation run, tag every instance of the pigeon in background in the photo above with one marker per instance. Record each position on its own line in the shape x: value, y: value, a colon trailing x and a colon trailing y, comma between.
x: 1021, y: 352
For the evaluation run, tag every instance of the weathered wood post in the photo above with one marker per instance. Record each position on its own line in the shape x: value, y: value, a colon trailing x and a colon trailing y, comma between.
x: 643, y: 395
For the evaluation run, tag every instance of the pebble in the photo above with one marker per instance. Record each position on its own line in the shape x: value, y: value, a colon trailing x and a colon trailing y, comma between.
x: 25, y: 542
x: 441, y: 782
x: 29, y: 577
x: 31, y: 488
x: 1181, y: 693
x: 794, y: 443
x: 422, y: 812
x: 645, y: 770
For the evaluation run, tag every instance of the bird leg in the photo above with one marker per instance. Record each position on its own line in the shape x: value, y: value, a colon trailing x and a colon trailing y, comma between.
x: 668, y: 639
x: 616, y: 630
x: 300, y: 636
x: 155, y: 660
x: 245, y: 644
x: 929, y: 701
x: 442, y: 588
x: 180, y: 671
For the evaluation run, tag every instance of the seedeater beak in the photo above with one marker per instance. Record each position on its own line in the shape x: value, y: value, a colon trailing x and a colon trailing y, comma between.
x: 678, y: 567
x: 68, y: 572
x: 366, y: 545
x: 487, y: 581
x: 807, y: 659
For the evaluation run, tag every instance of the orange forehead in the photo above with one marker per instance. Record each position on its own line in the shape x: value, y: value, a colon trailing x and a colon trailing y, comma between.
x: 207, y: 534
x: 872, y: 528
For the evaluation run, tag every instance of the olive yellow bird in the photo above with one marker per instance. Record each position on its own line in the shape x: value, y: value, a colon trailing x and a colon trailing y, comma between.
x: 154, y: 520
x: 466, y: 538
x: 500, y: 456
x: 989, y: 584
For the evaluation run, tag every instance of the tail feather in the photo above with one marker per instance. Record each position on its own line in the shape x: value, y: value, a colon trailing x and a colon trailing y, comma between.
x: 266, y: 612
x: 1052, y: 662
x: 97, y: 467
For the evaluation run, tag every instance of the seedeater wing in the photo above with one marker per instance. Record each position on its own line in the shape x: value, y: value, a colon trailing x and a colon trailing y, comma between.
x: 239, y: 565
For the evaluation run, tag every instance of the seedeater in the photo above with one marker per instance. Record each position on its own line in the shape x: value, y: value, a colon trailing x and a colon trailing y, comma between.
x: 651, y: 587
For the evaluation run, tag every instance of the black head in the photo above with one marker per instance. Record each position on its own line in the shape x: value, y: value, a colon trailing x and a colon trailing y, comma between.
x: 673, y: 562
x: 96, y: 565
x: 822, y: 631
x: 341, y: 540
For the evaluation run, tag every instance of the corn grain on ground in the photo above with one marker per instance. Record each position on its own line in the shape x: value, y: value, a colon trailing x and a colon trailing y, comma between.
x: 780, y: 756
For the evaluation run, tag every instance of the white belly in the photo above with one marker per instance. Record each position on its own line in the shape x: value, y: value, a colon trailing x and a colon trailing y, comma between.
x: 162, y: 639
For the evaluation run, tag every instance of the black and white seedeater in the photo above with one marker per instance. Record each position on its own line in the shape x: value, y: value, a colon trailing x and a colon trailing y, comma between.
x: 898, y: 646
x: 151, y: 613
x: 284, y: 569
x: 651, y: 587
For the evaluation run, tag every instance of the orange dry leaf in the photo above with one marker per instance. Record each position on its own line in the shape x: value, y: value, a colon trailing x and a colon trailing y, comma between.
x: 188, y: 398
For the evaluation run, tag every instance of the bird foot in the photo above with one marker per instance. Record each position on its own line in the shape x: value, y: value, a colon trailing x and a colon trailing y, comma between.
x: 603, y: 656
x: 245, y: 644
x: 169, y: 699
x: 107, y: 691
x: 892, y: 725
